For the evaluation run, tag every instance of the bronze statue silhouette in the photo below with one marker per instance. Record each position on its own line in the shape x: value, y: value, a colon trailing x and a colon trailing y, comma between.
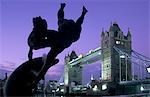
x: 25, y: 78
x: 68, y: 32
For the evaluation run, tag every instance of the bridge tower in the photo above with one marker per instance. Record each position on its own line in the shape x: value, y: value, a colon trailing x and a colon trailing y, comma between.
x: 72, y: 74
x: 111, y: 60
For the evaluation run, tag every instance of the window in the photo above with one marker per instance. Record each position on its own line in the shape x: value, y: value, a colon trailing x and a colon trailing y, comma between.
x: 104, y: 87
x: 117, y: 42
x: 122, y: 43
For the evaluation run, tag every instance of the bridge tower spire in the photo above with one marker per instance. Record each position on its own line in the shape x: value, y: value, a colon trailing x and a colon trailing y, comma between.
x: 111, y: 59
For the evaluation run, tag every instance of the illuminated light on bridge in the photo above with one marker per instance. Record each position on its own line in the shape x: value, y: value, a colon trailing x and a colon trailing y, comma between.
x: 80, y: 56
x: 142, y: 88
x: 148, y: 69
x: 57, y: 89
x: 62, y: 90
x: 122, y: 56
x: 90, y: 51
x: 104, y: 86
x: 61, y: 83
x: 117, y: 42
x: 92, y: 78
x: 95, y: 88
x: 45, y: 37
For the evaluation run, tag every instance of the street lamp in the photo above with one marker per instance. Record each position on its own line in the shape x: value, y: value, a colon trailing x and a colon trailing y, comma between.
x: 148, y: 69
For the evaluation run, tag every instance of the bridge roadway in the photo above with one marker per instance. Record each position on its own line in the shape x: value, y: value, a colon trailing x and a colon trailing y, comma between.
x: 135, y: 82
x: 89, y: 58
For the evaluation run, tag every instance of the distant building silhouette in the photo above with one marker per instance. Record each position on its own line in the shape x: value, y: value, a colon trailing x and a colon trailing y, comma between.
x: 2, y: 83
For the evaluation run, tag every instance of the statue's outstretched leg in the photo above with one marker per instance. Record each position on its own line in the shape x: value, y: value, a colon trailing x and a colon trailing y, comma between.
x: 81, y: 18
x: 79, y: 24
x: 60, y: 14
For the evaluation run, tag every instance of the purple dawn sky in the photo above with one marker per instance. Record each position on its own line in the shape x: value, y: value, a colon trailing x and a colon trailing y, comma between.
x: 16, y: 24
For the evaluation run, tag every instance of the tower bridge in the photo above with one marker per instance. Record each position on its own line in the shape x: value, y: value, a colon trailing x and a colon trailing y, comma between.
x: 119, y: 63
x: 95, y: 55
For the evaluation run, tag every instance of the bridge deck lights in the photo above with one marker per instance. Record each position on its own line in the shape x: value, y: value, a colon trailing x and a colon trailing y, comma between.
x: 80, y: 56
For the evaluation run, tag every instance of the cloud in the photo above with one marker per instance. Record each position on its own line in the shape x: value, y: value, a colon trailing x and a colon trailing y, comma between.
x: 56, y: 70
x: 8, y: 65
